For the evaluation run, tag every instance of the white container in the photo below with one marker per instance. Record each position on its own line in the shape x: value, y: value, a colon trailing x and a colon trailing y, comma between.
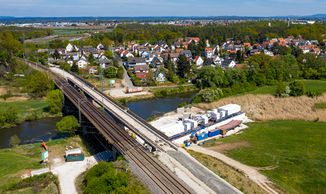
x: 230, y: 109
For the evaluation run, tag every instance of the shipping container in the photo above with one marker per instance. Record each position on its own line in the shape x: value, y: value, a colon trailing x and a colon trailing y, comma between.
x: 202, y: 136
x: 75, y: 157
x: 230, y: 109
x: 214, y: 133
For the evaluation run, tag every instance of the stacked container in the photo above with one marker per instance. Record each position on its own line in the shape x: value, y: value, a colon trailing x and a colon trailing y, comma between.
x: 214, y: 133
x: 202, y: 136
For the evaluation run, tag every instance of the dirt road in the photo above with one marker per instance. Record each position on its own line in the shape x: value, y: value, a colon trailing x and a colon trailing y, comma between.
x: 251, y: 172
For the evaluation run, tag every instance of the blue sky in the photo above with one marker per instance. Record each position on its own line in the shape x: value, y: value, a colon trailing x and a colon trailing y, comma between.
x: 161, y: 7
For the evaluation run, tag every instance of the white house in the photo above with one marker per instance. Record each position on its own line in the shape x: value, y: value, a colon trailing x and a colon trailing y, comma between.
x: 217, y: 60
x: 160, y: 77
x: 70, y: 47
x: 199, y: 61
x: 209, y: 52
x: 92, y: 70
x: 268, y: 53
x: 82, y: 64
x: 228, y: 64
x: 100, y: 47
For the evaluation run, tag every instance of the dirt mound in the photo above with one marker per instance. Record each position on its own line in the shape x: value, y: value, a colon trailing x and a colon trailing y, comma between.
x: 267, y: 107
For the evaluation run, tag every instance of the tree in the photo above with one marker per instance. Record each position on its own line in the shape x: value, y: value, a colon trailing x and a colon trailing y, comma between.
x: 111, y: 72
x: 74, y: 68
x: 210, y: 77
x: 68, y: 124
x: 183, y: 66
x: 120, y: 72
x: 109, y: 54
x: 208, y: 95
x: 54, y: 100
x: 297, y: 88
x: 38, y: 84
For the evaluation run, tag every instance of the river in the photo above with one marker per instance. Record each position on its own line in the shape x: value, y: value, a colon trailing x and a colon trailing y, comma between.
x: 44, y: 129
x: 158, y: 106
x: 30, y: 131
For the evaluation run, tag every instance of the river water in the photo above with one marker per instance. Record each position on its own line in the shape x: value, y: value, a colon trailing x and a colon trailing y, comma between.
x: 158, y: 106
x: 44, y: 129
x: 31, y: 131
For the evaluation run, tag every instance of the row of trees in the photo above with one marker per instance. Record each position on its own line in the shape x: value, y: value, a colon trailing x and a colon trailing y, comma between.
x: 246, y: 31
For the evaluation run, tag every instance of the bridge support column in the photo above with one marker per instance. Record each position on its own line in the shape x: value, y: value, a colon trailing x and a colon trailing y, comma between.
x: 114, y: 153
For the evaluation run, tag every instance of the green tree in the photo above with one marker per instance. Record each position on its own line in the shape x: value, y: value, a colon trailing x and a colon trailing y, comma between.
x: 74, y: 68
x: 68, y: 124
x: 111, y: 72
x: 38, y: 84
x: 210, y: 77
x: 297, y: 88
x: 54, y: 100
x: 120, y: 72
x: 8, y: 115
x: 208, y: 95
x: 183, y: 66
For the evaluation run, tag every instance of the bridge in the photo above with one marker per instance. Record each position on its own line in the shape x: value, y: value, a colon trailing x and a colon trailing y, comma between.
x: 157, y: 167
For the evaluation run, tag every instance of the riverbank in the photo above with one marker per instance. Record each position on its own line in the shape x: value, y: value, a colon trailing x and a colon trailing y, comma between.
x: 26, y: 110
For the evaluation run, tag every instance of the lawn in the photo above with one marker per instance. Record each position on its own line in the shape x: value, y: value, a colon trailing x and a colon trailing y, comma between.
x: 314, y: 85
x: 296, y: 151
x: 26, y: 108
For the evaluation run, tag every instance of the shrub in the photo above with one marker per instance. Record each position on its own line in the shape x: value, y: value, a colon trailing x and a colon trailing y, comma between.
x: 54, y: 100
x: 282, y: 90
x: 297, y: 88
x: 68, y: 124
x: 208, y: 95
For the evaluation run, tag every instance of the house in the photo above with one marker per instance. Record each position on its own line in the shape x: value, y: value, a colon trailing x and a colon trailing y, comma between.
x: 92, y: 70
x: 136, y: 61
x: 100, y: 47
x: 160, y: 76
x: 104, y: 62
x: 126, y: 54
x: 70, y: 48
x: 209, y: 52
x: 268, y: 53
x: 199, y: 61
x: 141, y: 71
x: 82, y: 64
x: 187, y: 53
x: 156, y: 62
x: 228, y: 63
x: 209, y: 62
x: 217, y: 61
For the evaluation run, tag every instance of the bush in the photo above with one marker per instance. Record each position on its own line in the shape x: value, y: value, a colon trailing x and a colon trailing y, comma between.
x: 54, y: 100
x: 8, y: 115
x: 297, y: 88
x: 68, y: 124
x: 282, y: 90
x: 111, y: 178
x: 208, y: 95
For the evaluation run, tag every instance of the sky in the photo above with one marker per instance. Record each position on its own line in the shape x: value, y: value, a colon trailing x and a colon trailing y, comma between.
x: 63, y: 8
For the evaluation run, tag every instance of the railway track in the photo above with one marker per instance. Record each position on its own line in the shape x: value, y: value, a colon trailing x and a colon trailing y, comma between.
x: 129, y: 147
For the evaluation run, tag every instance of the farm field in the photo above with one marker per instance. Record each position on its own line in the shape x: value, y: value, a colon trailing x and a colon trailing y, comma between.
x: 290, y: 153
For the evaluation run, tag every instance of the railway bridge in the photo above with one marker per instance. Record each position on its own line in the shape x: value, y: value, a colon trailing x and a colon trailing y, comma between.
x: 158, y: 162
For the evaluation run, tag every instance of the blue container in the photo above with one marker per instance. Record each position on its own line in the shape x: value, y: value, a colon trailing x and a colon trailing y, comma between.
x: 187, y: 143
x: 202, y: 136
x: 214, y: 133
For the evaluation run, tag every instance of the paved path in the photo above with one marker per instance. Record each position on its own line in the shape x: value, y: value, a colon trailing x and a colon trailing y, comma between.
x: 251, y: 172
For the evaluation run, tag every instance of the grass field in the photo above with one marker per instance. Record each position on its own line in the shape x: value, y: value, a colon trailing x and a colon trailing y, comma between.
x: 232, y: 176
x: 294, y: 151
x: 28, y: 108
x: 315, y: 85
